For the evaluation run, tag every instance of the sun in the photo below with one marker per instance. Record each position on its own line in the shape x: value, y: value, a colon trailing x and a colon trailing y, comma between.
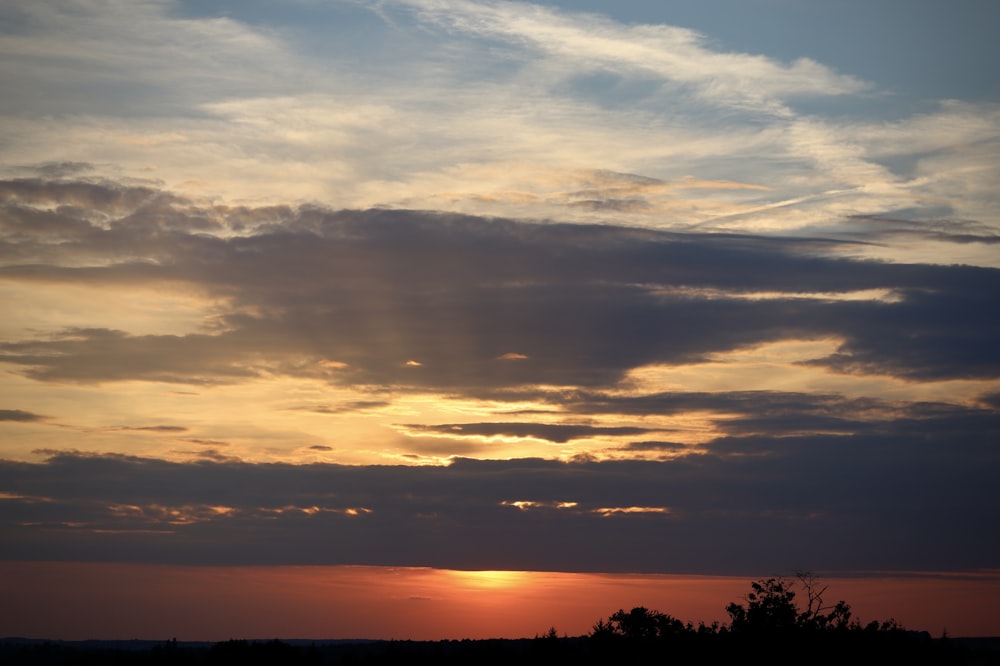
x: 489, y: 580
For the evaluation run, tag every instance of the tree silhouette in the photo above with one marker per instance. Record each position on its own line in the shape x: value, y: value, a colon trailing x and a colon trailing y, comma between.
x: 639, y: 624
x: 782, y: 621
x: 816, y: 615
x: 771, y: 608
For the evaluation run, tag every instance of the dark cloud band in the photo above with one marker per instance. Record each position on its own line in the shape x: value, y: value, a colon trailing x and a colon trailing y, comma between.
x: 866, y: 502
x: 446, y: 301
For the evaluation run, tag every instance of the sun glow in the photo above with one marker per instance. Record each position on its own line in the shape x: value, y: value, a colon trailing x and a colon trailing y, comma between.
x: 489, y: 580
x: 213, y: 603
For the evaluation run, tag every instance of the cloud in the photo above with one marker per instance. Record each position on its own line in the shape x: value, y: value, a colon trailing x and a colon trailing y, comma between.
x: 869, y: 502
x: 129, y: 57
x: 19, y: 416
x: 670, y: 54
x: 207, y: 442
x: 494, y: 108
x: 346, y: 408
x: 889, y: 228
x: 947, y: 337
x: 556, y: 433
x: 383, y: 291
x: 52, y: 170
x: 653, y: 446
x: 742, y: 422
x: 156, y: 428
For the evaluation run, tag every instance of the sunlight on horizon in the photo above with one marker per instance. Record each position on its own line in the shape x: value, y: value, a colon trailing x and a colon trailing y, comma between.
x: 216, y: 603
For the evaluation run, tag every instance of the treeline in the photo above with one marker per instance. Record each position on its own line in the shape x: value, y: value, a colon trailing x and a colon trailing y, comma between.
x: 773, y: 628
x: 779, y: 622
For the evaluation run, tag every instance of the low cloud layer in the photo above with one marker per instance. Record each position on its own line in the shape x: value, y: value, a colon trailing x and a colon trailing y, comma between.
x: 877, y: 501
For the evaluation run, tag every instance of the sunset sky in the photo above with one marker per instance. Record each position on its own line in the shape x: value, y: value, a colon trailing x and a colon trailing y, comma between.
x: 332, y: 305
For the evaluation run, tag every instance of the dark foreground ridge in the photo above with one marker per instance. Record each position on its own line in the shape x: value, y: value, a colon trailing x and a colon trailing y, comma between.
x: 909, y: 648
x: 770, y: 627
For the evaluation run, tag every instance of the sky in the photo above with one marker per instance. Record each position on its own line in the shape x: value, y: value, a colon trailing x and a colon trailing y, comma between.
x: 600, y: 298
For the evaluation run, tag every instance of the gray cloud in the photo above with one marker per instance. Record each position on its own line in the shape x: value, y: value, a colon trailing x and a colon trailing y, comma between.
x: 207, y: 442
x: 346, y: 407
x: 19, y: 415
x: 156, y: 428
x: 59, y: 169
x: 652, y: 445
x: 936, y: 333
x: 775, y: 413
x: 372, y: 290
x: 558, y: 433
x: 869, y: 502
x: 953, y: 231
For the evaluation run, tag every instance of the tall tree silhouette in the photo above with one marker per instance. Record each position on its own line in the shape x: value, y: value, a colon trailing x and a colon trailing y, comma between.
x: 771, y: 608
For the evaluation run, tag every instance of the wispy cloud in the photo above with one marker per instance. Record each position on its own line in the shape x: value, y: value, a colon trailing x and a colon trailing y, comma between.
x: 557, y: 433
x: 496, y: 108
x: 131, y: 58
x: 672, y: 56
